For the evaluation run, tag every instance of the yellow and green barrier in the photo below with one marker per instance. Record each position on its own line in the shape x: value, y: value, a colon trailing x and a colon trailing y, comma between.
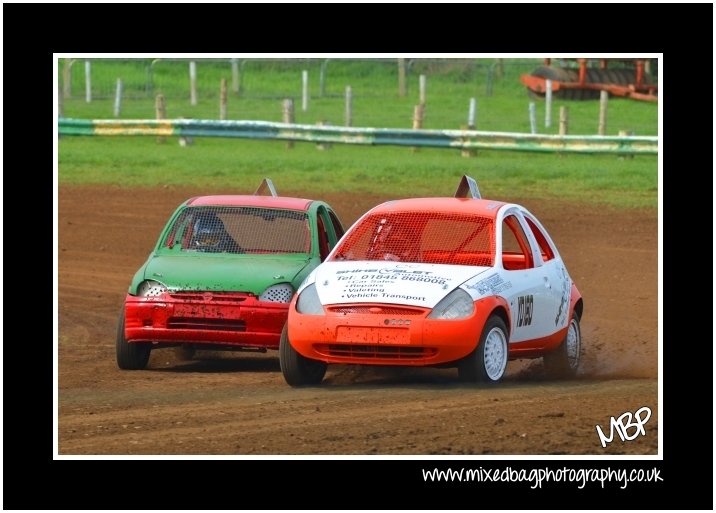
x: 454, y: 139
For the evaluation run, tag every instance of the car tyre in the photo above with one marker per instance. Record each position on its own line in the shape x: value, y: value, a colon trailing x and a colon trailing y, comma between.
x: 297, y: 369
x: 130, y: 356
x: 487, y: 363
x: 564, y: 361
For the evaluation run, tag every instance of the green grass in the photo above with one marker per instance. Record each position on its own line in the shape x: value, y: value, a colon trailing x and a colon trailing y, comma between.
x: 238, y: 165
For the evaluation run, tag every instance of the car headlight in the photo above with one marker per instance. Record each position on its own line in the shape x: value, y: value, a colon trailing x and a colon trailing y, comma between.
x: 456, y: 305
x: 308, y: 302
x: 279, y: 293
x: 150, y: 288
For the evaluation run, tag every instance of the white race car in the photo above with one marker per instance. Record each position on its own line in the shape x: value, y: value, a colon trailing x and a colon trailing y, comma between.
x: 461, y: 281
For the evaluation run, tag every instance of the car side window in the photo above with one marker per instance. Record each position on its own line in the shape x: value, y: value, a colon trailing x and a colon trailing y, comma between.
x: 179, y: 234
x: 337, y: 226
x: 544, y: 246
x: 323, y: 247
x: 516, y: 251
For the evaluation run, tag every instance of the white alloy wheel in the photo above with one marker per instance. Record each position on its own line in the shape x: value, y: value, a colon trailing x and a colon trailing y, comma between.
x: 495, y: 354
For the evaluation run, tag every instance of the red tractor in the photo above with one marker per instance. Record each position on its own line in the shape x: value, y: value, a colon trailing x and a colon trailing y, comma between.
x: 631, y: 80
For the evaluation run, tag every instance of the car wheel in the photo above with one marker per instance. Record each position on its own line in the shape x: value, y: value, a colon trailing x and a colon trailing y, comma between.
x: 487, y: 363
x: 297, y: 369
x: 563, y: 362
x: 130, y: 356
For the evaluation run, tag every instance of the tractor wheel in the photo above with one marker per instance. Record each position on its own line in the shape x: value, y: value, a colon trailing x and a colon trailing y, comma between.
x: 594, y: 76
x: 614, y: 77
x: 570, y: 75
x: 550, y: 73
x: 625, y: 76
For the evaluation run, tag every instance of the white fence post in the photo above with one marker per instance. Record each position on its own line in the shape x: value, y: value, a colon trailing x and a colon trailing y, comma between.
x: 423, y: 85
x: 490, y: 80
x: 563, y: 120
x: 192, y: 82
x: 471, y: 114
x: 418, y: 115
x: 548, y: 105
x: 304, y: 97
x: 67, y: 78
x: 626, y: 133
x: 235, y: 75
x: 88, y: 82
x: 160, y: 107
x: 349, y: 106
x: 223, y: 94
x: 323, y: 145
x: 603, y: 100
x: 60, y: 105
x: 322, y: 79
x: 533, y: 118
x: 402, y: 90
x: 500, y: 67
x: 118, y: 99
x: 288, y: 117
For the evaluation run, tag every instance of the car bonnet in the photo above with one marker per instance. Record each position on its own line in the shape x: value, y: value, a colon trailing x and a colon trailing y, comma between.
x: 239, y: 274
x: 406, y: 283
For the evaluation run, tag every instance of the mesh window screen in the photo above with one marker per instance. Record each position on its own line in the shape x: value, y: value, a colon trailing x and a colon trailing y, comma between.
x: 241, y: 230
x: 427, y: 237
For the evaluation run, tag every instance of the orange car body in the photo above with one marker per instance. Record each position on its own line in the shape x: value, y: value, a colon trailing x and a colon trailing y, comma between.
x: 414, y: 283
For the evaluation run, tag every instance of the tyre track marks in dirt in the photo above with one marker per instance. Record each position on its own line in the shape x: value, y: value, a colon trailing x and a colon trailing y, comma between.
x: 239, y: 403
x: 447, y: 420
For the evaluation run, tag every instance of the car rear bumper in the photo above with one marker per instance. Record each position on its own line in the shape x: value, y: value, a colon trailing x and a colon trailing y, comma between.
x: 230, y: 319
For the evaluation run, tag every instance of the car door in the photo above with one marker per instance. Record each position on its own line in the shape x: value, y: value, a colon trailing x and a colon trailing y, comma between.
x: 530, y: 297
x: 552, y: 267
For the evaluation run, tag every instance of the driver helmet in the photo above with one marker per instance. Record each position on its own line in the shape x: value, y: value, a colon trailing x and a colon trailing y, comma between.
x: 395, y: 240
x: 209, y: 232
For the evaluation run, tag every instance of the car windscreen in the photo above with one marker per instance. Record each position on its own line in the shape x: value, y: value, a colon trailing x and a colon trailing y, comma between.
x: 426, y: 237
x: 229, y: 229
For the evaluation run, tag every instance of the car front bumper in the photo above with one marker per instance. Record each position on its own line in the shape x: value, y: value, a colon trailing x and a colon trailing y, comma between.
x: 389, y: 335
x: 223, y: 319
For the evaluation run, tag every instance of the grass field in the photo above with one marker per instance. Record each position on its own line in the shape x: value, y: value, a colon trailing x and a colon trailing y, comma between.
x: 238, y: 165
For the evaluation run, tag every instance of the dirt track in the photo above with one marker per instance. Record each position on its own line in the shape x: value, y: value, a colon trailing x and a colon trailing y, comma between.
x: 238, y: 404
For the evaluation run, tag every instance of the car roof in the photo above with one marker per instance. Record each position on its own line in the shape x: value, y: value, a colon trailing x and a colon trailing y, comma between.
x: 482, y: 207
x: 250, y: 201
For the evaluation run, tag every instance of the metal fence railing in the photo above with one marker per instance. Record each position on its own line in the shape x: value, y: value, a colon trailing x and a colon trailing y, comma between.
x: 455, y: 139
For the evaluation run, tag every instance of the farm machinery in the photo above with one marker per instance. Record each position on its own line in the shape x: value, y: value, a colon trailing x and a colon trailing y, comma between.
x: 586, y: 81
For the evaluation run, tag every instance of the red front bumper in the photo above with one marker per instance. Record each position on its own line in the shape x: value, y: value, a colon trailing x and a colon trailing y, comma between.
x: 227, y: 318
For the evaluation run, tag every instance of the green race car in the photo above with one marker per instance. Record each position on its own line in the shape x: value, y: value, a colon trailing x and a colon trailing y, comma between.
x: 223, y: 273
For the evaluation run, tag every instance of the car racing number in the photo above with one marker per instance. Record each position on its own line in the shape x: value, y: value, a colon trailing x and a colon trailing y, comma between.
x: 525, y: 307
